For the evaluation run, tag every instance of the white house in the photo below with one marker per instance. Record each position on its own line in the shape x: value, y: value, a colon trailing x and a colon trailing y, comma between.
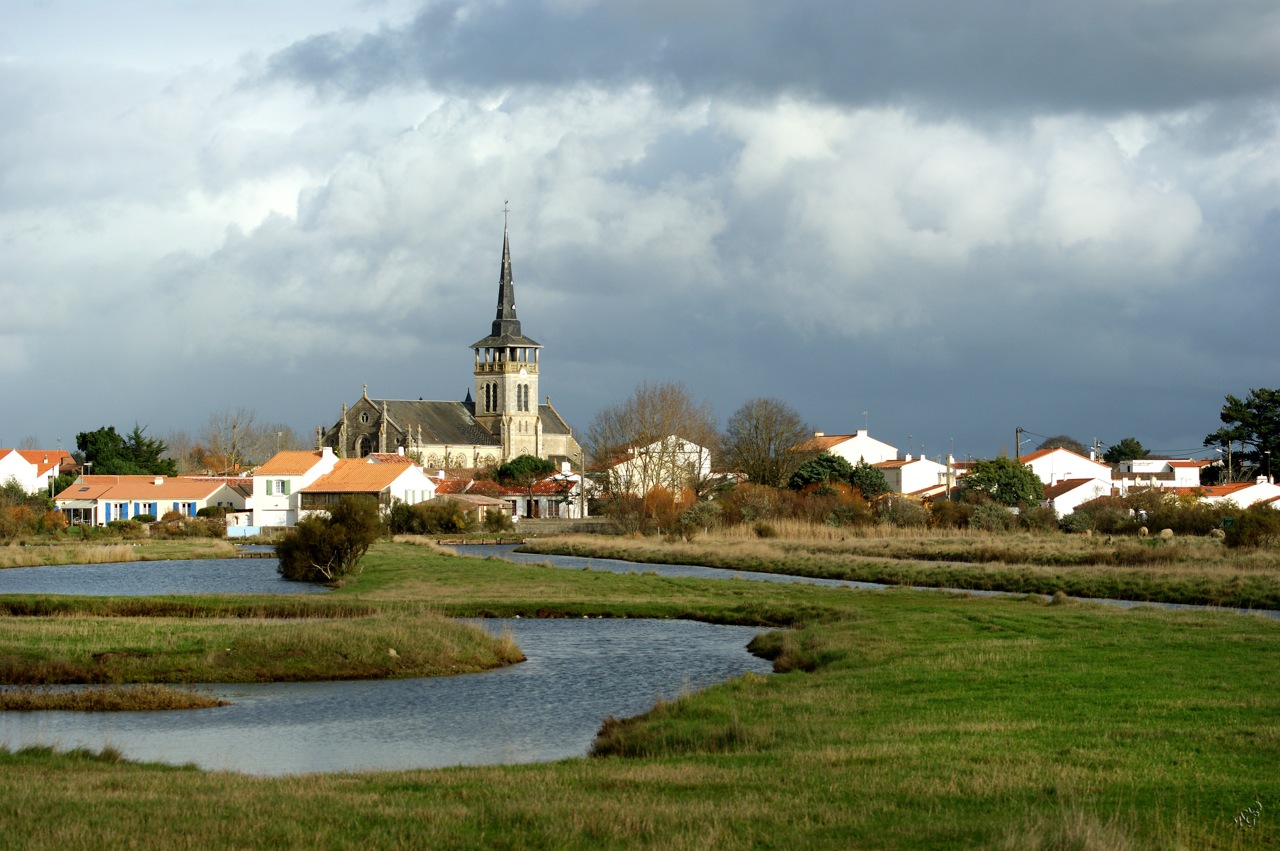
x: 918, y: 476
x: 97, y: 500
x: 1066, y: 495
x: 277, y: 482
x: 1243, y: 494
x: 1059, y: 465
x: 851, y: 447
x: 384, y: 480
x: 33, y: 469
x: 671, y: 462
x: 1159, y: 473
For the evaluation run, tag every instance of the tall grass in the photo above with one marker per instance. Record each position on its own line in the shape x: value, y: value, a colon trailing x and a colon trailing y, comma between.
x: 14, y: 555
x: 137, y: 698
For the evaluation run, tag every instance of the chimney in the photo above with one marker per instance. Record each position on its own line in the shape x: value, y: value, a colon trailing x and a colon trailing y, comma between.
x: 819, y: 434
x: 159, y: 480
x: 326, y: 451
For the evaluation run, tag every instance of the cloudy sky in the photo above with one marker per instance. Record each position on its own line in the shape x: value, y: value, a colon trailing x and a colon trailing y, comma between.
x: 942, y: 220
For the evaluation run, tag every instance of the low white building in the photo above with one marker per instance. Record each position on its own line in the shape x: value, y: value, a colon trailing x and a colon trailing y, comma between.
x: 1066, y: 495
x: 1243, y: 494
x: 918, y: 476
x: 672, y: 462
x: 98, y: 500
x: 1171, y: 473
x: 386, y: 481
x: 33, y: 469
x: 277, y: 482
x: 1059, y: 465
x: 853, y: 448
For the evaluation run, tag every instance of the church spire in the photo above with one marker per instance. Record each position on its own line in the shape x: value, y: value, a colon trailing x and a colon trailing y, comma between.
x: 506, y: 327
x: 506, y: 323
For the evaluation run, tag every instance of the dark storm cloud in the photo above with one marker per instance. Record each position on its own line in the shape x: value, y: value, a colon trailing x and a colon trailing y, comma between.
x: 1091, y: 55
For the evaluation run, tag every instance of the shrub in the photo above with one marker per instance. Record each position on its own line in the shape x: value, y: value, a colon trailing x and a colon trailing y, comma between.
x: 904, y: 513
x: 990, y: 517
x: 747, y: 503
x: 1259, y: 526
x: 212, y: 511
x: 950, y: 514
x: 765, y: 530
x: 145, y: 518
x: 325, y: 547
x: 127, y: 528
x: 498, y: 521
x: 437, y: 517
x: 1078, y: 521
x: 1039, y: 518
x: 700, y: 517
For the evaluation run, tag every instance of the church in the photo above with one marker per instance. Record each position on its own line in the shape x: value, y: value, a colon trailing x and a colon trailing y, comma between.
x: 502, y: 421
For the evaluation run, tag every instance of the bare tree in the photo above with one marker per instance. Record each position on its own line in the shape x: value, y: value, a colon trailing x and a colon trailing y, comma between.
x: 233, y: 441
x: 182, y: 450
x: 759, y: 439
x: 659, y: 437
x: 229, y: 441
x: 29, y: 442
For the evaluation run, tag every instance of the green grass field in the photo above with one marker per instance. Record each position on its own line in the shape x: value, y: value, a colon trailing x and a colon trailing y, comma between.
x: 907, y: 720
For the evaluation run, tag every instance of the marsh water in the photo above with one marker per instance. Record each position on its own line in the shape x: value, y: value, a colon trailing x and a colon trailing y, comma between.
x: 577, y: 673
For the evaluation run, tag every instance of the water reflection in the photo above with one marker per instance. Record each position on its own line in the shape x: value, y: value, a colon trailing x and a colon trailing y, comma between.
x: 578, y: 672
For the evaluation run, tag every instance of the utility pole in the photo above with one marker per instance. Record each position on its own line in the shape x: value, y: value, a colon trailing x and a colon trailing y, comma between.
x: 1017, y: 443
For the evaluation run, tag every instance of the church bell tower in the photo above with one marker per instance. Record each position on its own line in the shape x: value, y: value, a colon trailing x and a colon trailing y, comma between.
x: 506, y: 373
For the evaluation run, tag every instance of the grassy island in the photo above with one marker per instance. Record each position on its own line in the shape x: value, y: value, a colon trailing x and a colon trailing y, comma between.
x: 1194, y: 570
x: 903, y: 720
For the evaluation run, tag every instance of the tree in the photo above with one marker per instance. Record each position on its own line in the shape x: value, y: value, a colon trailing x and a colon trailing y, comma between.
x: 868, y: 479
x: 1005, y: 480
x: 759, y: 439
x: 1254, y: 423
x: 112, y: 454
x: 324, y: 547
x: 1065, y: 441
x: 822, y: 468
x: 233, y: 441
x: 658, y: 437
x: 1128, y: 449
x: 524, y: 471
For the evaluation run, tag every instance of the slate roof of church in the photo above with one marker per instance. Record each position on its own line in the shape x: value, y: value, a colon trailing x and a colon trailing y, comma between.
x: 442, y: 422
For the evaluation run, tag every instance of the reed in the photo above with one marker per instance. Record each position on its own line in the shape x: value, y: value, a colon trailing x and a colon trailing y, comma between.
x: 15, y: 555
x: 136, y: 698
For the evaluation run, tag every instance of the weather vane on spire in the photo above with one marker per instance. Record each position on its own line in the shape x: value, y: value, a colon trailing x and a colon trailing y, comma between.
x: 505, y: 210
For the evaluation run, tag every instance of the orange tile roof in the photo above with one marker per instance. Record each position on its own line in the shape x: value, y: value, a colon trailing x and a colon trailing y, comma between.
x: 289, y: 462
x: 140, y: 488
x: 391, y: 458
x: 43, y: 459
x: 356, y: 475
x: 816, y: 444
x: 1064, y: 486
